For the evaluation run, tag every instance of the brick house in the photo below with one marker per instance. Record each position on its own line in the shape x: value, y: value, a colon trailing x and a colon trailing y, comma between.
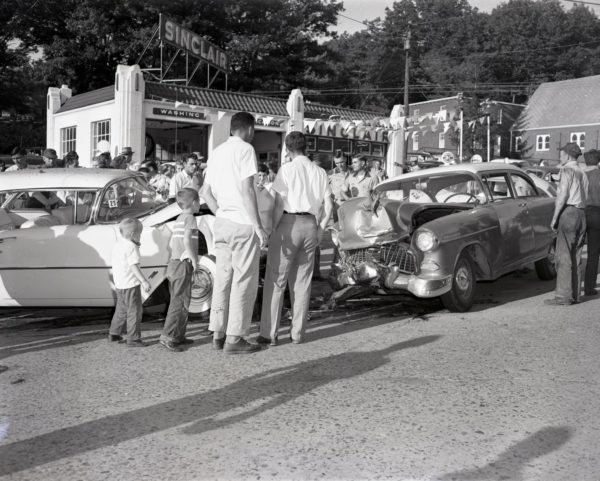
x: 557, y: 113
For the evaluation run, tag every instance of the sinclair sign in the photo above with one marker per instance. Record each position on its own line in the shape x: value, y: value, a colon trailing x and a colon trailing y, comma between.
x: 192, y: 43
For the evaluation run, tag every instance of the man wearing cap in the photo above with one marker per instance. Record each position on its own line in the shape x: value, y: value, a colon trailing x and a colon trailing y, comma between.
x: 188, y: 177
x: 592, y: 218
x: 127, y: 152
x: 50, y: 158
x: 569, y: 224
x: 19, y: 158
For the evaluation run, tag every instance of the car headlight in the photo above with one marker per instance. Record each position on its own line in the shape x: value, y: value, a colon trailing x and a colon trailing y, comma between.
x: 426, y: 241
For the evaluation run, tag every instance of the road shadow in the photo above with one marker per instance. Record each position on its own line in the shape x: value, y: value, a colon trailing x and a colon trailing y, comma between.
x: 509, y: 465
x: 267, y: 389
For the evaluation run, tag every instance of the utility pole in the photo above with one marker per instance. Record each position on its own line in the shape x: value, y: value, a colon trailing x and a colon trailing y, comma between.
x: 406, y: 83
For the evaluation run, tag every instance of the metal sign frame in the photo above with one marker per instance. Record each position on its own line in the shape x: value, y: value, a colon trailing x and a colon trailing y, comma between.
x: 172, y: 36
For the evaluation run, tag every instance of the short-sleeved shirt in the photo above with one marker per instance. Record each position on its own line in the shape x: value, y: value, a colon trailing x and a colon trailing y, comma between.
x: 360, y: 184
x: 573, y: 185
x: 124, y: 255
x: 230, y: 164
x: 337, y: 182
x: 266, y: 203
x: 593, y: 176
x: 182, y: 224
x: 302, y: 185
x: 181, y: 180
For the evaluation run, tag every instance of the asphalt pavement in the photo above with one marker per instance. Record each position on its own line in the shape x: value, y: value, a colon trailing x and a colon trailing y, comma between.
x: 384, y: 388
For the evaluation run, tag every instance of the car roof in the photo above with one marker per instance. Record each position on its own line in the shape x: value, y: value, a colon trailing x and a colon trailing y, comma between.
x: 80, y: 178
x: 449, y: 169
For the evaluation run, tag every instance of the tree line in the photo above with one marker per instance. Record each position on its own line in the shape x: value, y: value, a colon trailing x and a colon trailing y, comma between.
x: 277, y: 45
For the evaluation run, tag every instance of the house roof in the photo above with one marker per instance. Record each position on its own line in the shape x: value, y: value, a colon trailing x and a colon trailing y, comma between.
x: 561, y: 104
x: 220, y: 99
x: 89, y: 98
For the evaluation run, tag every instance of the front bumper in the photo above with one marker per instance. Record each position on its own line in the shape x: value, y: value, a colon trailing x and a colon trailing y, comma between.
x: 377, y: 269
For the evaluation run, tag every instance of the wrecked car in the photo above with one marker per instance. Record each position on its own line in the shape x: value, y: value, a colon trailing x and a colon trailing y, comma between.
x: 435, y: 233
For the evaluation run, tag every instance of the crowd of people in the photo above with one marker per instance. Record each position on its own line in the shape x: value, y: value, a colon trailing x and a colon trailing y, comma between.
x: 279, y: 214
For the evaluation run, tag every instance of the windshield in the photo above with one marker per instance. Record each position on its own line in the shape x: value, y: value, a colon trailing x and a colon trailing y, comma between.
x: 450, y: 188
x: 130, y: 197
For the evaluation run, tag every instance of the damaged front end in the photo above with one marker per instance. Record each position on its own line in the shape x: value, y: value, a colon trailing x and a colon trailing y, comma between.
x: 373, y: 246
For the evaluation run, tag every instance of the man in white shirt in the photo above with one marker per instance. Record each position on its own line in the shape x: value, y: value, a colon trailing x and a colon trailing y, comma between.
x: 301, y: 189
x: 186, y: 178
x: 238, y: 236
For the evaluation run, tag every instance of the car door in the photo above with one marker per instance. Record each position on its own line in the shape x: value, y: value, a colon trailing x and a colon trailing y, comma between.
x: 517, y: 238
x: 540, y: 209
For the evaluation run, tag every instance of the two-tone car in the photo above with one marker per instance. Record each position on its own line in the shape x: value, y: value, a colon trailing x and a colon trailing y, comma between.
x: 436, y: 232
x: 58, y: 228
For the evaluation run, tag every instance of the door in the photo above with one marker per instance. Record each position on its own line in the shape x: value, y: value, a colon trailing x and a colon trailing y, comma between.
x: 517, y: 238
x: 540, y: 209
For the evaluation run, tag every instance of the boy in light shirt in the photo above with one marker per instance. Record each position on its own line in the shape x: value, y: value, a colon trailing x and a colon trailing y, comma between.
x: 128, y: 277
x: 180, y: 271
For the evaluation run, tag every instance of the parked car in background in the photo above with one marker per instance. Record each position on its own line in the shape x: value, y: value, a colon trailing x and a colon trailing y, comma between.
x: 58, y: 228
x: 436, y: 232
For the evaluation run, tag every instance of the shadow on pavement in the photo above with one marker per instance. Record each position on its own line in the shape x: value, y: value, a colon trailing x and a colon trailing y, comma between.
x: 272, y: 388
x: 509, y: 465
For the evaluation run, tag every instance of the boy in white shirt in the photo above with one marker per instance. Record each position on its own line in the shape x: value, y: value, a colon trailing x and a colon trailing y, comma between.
x: 128, y: 277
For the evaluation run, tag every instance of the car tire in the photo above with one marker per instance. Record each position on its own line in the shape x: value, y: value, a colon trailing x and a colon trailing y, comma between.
x: 202, y: 286
x: 546, y: 268
x: 461, y: 296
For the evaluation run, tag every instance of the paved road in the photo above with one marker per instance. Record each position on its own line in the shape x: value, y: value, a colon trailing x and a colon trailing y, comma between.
x: 400, y: 391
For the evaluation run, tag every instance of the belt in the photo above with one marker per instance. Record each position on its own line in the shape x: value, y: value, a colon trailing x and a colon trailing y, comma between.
x: 297, y: 213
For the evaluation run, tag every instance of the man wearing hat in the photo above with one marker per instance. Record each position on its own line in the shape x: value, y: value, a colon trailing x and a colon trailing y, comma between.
x: 127, y: 152
x: 569, y: 224
x: 592, y: 219
x: 50, y: 158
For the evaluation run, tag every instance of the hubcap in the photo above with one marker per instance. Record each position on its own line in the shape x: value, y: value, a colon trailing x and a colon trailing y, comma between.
x: 202, y: 285
x: 462, y: 279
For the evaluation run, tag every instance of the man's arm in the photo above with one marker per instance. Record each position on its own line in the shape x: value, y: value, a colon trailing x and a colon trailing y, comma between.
x: 209, y: 198
x: 249, y: 197
x: 561, y: 198
x: 277, y: 210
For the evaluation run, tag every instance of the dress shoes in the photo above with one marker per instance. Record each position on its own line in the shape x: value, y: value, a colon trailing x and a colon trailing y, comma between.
x: 115, y: 338
x: 170, y: 345
x: 241, y: 347
x: 266, y: 340
x: 186, y: 341
x: 591, y: 292
x: 558, y: 302
x: 218, y: 344
x: 297, y: 340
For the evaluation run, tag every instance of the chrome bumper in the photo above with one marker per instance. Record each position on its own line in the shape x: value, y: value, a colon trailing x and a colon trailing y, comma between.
x: 420, y: 286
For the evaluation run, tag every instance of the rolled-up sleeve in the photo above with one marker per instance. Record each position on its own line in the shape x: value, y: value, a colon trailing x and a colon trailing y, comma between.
x: 247, y: 163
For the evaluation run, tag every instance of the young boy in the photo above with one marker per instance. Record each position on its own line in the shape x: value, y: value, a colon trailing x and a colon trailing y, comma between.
x: 183, y: 263
x: 127, y: 277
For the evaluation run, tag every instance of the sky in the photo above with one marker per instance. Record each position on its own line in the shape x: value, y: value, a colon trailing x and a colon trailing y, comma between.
x: 370, y: 9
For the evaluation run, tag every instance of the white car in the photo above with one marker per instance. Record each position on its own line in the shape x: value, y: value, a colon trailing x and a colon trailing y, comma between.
x: 58, y: 228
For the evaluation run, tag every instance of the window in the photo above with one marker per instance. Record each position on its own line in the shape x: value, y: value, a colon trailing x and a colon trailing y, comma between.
x: 498, y: 186
x: 68, y: 140
x: 579, y: 139
x: 523, y: 188
x: 100, y: 131
x: 415, y: 141
x: 542, y: 143
x: 416, y: 113
x: 498, y: 146
x: 129, y: 197
x: 442, y: 141
x: 500, y: 115
x: 518, y: 143
x: 443, y: 114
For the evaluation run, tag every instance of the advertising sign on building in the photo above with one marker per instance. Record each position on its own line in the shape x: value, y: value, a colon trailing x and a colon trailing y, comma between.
x: 192, y: 43
x: 178, y: 113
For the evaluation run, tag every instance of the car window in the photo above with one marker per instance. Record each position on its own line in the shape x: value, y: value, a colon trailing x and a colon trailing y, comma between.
x: 130, y: 197
x: 523, y: 186
x: 451, y: 188
x: 498, y: 186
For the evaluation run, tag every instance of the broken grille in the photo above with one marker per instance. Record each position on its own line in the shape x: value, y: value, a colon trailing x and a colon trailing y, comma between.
x: 396, y: 254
